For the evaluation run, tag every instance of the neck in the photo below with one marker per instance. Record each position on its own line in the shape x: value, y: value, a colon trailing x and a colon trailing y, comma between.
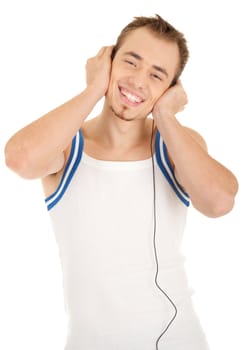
x: 122, y: 133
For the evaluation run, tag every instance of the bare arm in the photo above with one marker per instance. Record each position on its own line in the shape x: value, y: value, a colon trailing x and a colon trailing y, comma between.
x: 210, y: 185
x: 38, y: 149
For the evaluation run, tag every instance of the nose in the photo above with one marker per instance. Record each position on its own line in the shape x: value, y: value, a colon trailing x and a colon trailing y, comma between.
x: 138, y: 79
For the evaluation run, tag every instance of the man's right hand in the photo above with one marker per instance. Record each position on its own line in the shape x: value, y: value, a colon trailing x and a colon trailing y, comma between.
x: 39, y: 149
x: 98, y: 70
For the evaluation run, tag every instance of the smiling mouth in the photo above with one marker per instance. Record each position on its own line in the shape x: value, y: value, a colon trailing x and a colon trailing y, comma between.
x: 130, y: 98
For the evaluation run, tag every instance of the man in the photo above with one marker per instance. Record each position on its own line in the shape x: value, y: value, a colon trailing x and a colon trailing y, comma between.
x: 117, y: 189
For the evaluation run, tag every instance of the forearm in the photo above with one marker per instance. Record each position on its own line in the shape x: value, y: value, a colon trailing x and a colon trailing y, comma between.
x: 210, y: 185
x: 33, y: 149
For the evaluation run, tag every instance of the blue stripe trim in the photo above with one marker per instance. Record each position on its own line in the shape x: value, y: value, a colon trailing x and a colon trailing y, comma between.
x: 71, y: 171
x: 165, y: 152
x: 65, y: 171
x: 165, y: 172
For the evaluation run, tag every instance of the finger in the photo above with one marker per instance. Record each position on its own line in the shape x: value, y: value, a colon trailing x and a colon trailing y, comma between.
x: 101, y: 51
x: 179, y: 82
x: 105, y: 49
x: 110, y: 48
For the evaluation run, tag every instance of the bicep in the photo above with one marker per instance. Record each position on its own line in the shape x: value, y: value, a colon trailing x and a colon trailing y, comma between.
x: 199, y: 140
x: 54, y: 174
x: 197, y: 137
x: 56, y: 165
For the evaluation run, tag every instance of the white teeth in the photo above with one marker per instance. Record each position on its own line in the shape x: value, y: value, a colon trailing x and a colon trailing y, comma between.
x: 130, y: 97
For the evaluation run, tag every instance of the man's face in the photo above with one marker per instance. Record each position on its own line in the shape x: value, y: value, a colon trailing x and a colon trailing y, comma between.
x: 142, y: 70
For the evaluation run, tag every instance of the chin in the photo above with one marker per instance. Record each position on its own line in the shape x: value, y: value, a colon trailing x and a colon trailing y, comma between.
x: 120, y: 114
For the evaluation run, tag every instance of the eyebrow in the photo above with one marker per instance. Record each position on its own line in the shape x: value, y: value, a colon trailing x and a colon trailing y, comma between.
x: 139, y: 58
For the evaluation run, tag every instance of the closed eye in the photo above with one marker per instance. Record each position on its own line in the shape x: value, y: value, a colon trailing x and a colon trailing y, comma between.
x: 130, y: 62
x: 155, y: 76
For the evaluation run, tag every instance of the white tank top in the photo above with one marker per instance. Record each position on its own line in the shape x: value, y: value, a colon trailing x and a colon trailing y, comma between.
x: 102, y: 214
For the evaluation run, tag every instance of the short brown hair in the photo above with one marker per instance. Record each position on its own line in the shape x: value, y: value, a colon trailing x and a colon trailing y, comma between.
x: 164, y: 30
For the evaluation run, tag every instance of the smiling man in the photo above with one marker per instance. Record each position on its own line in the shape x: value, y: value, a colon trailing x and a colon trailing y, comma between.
x: 118, y: 187
x: 142, y: 70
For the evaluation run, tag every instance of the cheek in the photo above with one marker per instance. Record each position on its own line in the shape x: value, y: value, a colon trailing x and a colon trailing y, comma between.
x: 156, y: 94
x: 113, y: 83
x: 111, y: 87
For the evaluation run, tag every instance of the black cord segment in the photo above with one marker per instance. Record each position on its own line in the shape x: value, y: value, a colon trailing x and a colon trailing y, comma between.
x: 154, y: 242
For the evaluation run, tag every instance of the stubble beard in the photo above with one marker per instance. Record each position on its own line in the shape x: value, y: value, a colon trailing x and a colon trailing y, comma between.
x: 120, y: 114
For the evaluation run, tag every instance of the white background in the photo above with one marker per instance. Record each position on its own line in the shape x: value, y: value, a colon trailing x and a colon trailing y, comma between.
x: 44, y: 47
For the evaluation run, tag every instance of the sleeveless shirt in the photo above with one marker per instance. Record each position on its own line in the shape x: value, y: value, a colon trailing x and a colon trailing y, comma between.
x: 102, y: 213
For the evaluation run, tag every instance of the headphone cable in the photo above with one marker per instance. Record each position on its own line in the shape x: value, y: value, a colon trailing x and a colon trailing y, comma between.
x: 154, y: 242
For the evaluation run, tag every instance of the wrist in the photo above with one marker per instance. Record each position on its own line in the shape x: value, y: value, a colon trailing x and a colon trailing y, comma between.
x: 94, y: 93
x: 163, y: 115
